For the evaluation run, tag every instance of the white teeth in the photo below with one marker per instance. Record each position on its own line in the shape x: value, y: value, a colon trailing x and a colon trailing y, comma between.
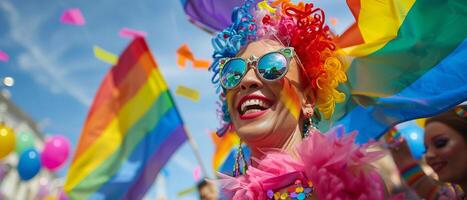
x: 252, y: 111
x: 252, y: 102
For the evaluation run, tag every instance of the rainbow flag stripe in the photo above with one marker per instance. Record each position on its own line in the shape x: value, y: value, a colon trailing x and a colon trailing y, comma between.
x: 290, y: 99
x: 132, y: 129
x: 409, y: 62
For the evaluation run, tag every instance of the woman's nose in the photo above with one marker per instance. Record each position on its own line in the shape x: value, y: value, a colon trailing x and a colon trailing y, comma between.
x: 250, y: 80
x: 429, y: 155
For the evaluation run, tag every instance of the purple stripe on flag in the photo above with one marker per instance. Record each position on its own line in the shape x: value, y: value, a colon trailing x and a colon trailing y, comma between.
x: 212, y: 14
x: 157, y: 160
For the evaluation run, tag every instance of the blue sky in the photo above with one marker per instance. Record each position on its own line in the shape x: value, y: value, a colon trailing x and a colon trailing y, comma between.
x: 56, y: 74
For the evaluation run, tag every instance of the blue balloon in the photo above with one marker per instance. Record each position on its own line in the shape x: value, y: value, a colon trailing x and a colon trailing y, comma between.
x: 413, y: 134
x: 29, y: 164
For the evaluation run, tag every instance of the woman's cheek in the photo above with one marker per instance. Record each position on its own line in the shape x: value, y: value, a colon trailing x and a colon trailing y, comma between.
x: 290, y: 98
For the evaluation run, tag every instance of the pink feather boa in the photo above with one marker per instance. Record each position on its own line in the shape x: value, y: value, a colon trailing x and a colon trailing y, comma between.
x: 338, y: 168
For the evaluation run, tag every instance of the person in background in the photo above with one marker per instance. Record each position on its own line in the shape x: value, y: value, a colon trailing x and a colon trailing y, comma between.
x: 446, y: 153
x: 207, y: 190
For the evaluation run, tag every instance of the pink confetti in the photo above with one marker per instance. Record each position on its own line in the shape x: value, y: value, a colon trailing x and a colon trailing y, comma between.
x: 197, y: 173
x: 131, y: 33
x: 4, y: 57
x: 73, y: 16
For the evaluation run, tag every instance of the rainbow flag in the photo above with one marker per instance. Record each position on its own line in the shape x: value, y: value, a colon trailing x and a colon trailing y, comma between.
x: 223, y: 147
x: 410, y: 61
x: 132, y: 129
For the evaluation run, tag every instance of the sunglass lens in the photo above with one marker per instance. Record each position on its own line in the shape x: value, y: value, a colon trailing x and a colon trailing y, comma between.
x: 272, y: 66
x: 233, y: 72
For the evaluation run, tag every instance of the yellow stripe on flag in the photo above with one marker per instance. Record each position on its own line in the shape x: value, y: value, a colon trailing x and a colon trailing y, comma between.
x: 104, y: 55
x: 112, y: 137
x: 379, y: 23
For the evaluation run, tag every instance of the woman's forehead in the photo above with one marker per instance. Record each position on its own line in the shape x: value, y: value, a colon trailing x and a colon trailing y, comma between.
x: 259, y: 48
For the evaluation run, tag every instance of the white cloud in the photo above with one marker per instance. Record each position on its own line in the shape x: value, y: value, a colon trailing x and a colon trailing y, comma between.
x: 39, y: 63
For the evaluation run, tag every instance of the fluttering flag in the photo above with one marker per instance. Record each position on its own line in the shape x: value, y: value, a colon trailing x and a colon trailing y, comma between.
x: 409, y: 62
x: 104, y: 55
x: 132, y: 129
x: 73, y: 16
x: 210, y: 15
x: 224, y: 151
x: 188, y: 93
x: 131, y: 33
x: 4, y: 57
x: 184, y: 53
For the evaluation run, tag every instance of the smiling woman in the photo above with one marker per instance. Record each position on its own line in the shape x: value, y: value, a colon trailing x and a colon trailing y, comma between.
x: 277, y: 71
x: 446, y: 144
x: 446, y: 147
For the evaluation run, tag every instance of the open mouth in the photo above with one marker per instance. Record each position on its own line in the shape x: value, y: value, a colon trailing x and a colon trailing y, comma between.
x: 253, y: 106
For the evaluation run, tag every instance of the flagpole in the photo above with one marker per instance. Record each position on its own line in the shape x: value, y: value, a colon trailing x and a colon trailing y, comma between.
x: 194, y: 146
x: 192, y: 142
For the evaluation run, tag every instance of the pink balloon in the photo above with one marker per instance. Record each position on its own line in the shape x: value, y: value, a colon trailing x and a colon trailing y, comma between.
x: 56, y: 151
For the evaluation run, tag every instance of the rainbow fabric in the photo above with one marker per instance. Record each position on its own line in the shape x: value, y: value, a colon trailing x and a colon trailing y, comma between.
x: 132, y: 129
x: 223, y: 147
x: 410, y: 62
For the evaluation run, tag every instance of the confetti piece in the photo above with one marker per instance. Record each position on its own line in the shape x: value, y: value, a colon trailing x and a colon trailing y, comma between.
x: 263, y: 5
x: 184, y: 53
x: 186, y: 191
x: 204, y: 64
x: 104, y: 55
x: 333, y: 21
x: 197, y: 173
x: 73, y: 16
x: 189, y: 93
x: 4, y: 57
x: 181, y: 61
x: 131, y: 33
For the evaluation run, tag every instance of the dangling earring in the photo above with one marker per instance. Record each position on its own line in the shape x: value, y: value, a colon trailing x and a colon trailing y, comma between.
x: 240, y: 165
x: 310, y: 123
x: 308, y: 127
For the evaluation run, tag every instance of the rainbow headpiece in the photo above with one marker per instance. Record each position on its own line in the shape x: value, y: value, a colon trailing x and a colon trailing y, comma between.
x: 300, y: 26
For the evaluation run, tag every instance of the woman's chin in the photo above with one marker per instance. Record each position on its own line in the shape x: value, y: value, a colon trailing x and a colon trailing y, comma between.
x: 252, y: 133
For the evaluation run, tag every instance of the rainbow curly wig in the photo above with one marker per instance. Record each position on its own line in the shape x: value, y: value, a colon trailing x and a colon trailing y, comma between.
x: 301, y: 26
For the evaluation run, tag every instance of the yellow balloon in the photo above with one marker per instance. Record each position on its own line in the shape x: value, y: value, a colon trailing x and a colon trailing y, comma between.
x: 7, y: 140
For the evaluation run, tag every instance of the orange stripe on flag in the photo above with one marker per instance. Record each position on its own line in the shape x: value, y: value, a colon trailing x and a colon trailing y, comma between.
x: 112, y: 98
